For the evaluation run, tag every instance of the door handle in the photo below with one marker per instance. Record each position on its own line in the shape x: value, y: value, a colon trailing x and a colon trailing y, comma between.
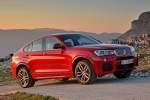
x: 44, y: 54
x: 27, y: 54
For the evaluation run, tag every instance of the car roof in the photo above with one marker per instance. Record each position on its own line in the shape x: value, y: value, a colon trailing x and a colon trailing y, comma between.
x: 58, y: 34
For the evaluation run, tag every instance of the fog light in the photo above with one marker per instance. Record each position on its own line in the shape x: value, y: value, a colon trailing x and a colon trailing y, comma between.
x: 105, y: 59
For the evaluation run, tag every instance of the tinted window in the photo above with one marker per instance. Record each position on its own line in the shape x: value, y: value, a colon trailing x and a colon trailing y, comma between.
x: 37, y: 46
x: 26, y: 49
x: 78, y: 39
x: 50, y: 43
x: 69, y: 42
x: 30, y: 48
x: 84, y: 41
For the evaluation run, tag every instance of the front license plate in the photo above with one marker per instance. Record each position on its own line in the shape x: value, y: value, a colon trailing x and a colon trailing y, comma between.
x: 124, y: 62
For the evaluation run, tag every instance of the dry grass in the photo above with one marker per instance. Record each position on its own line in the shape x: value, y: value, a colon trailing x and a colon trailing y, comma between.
x: 5, y: 74
x: 144, y: 62
x: 25, y: 96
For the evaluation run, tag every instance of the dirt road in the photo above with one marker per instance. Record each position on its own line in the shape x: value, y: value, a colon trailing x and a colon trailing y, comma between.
x: 103, y: 89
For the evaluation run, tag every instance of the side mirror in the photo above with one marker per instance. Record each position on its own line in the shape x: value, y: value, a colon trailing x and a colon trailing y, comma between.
x: 58, y: 46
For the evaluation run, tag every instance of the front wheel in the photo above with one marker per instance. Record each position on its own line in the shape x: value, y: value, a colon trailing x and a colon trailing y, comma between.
x: 123, y: 74
x: 84, y: 72
x: 24, y: 78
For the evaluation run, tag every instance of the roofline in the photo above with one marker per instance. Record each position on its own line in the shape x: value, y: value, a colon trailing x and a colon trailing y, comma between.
x: 56, y: 34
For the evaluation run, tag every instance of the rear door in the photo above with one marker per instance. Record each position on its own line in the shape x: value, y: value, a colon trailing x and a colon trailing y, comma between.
x: 35, y: 58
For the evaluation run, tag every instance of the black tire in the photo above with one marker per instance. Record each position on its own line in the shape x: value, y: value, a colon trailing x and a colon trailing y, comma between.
x: 123, y: 74
x: 63, y: 79
x: 84, y: 72
x: 24, y: 78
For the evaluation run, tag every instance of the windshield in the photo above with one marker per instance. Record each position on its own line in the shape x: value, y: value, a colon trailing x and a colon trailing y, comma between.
x: 78, y: 39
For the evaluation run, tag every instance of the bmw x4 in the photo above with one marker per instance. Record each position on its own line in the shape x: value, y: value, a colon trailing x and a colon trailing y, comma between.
x: 63, y: 56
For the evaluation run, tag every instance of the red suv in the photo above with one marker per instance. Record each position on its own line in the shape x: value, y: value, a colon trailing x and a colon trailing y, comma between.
x: 67, y: 55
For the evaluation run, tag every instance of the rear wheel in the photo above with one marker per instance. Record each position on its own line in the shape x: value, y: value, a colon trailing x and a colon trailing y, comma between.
x: 24, y: 78
x: 84, y: 72
x: 123, y: 74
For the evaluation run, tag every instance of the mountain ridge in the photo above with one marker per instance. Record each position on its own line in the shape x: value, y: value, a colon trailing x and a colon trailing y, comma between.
x: 13, y: 39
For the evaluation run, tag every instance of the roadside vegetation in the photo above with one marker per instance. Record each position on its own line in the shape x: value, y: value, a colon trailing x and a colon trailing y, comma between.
x: 144, y: 58
x: 6, y: 78
x: 25, y: 96
x: 4, y: 74
x: 5, y: 71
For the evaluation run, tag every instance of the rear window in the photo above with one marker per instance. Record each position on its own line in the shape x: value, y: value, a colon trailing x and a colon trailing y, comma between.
x: 26, y: 49
x: 35, y: 46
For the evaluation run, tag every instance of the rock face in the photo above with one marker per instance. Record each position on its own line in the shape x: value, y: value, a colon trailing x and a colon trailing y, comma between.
x: 138, y: 27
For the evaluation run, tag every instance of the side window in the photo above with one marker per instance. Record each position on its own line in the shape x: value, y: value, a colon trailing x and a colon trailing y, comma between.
x: 26, y: 49
x: 84, y: 41
x: 50, y: 43
x: 30, y: 48
x: 69, y: 42
x: 37, y: 46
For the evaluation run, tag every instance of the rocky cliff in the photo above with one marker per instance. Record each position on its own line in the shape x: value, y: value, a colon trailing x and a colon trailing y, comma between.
x: 138, y: 27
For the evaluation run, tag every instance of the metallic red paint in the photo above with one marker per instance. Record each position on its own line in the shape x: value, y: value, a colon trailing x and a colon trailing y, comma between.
x: 59, y: 63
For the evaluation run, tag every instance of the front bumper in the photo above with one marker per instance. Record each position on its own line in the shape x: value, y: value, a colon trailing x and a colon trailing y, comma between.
x: 110, y: 64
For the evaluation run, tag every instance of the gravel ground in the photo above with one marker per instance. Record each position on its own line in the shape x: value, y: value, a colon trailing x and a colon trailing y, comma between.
x: 105, y: 88
x: 137, y: 87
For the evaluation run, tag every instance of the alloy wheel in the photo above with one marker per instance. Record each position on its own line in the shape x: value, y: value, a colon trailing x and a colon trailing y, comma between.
x: 23, y: 77
x: 83, y: 72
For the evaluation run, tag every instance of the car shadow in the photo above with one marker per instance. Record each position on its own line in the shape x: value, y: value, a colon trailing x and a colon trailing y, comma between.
x: 114, y: 80
x: 55, y: 82
x: 101, y: 80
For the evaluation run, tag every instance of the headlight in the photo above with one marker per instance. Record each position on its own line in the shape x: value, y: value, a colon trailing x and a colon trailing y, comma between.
x: 104, y: 52
x: 133, y: 52
x: 132, y: 49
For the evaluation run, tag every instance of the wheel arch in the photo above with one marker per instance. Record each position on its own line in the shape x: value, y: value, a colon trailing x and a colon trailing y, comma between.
x: 76, y: 60
x: 19, y: 66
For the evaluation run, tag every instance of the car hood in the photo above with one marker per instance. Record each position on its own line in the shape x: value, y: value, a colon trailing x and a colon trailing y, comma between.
x: 102, y: 46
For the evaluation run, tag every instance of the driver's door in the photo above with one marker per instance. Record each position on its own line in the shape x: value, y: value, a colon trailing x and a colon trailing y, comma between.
x: 55, y: 60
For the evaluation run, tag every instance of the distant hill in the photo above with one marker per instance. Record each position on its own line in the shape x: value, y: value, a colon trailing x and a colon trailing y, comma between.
x: 12, y: 40
x: 138, y: 27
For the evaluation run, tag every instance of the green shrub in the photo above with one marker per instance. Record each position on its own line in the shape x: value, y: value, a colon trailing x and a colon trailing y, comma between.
x: 11, y: 55
x: 131, y: 44
x: 1, y: 59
